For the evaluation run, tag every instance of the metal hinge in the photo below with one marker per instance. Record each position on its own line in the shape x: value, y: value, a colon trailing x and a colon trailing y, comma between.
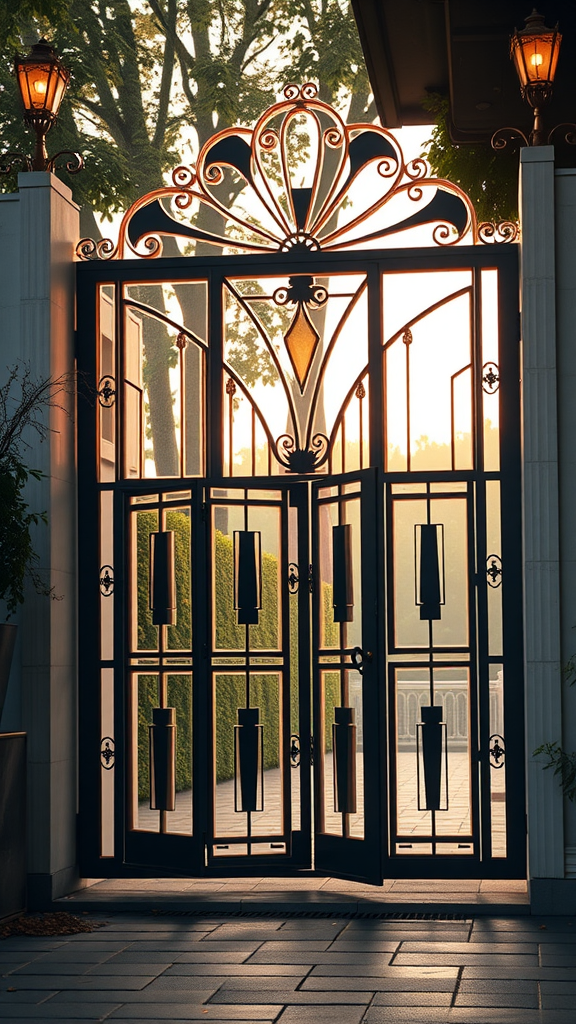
x: 204, y: 512
x: 311, y: 750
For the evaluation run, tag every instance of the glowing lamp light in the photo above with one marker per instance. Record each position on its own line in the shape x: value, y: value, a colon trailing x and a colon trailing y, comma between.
x: 534, y: 51
x: 42, y: 81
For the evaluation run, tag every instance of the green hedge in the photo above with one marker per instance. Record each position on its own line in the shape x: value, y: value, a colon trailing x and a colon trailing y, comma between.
x: 230, y: 686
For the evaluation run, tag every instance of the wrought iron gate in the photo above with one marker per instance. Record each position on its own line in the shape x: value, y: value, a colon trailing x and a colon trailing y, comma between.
x: 300, y: 495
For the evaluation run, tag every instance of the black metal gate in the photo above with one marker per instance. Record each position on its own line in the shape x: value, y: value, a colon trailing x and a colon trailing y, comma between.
x: 300, y: 498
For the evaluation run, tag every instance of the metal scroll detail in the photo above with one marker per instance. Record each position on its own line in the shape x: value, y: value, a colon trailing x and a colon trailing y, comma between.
x: 107, y: 753
x: 295, y: 750
x: 106, y: 392
x: 497, y: 751
x: 490, y: 378
x: 293, y: 578
x: 494, y: 571
x: 261, y: 165
x: 106, y: 581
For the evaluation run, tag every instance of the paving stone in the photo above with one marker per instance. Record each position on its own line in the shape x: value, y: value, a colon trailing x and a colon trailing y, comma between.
x: 274, y: 956
x: 388, y: 984
x: 182, y: 945
x: 497, y: 999
x: 463, y: 1015
x: 561, y: 987
x: 247, y: 984
x: 184, y: 1011
x: 58, y: 982
x: 78, y: 955
x: 126, y: 970
x: 29, y: 943
x: 209, y: 956
x: 231, y: 995
x: 35, y: 967
x: 322, y: 1015
x: 369, y: 945
x: 555, y: 1001
x: 437, y: 999
x: 528, y: 973
x: 465, y: 959
x: 21, y: 996
x: 16, y: 956
x: 60, y: 1011
x: 498, y: 987
x: 239, y: 970
x: 411, y: 1014
x: 469, y: 948
x: 195, y: 997
x: 374, y: 971
x: 557, y: 959
x: 403, y: 935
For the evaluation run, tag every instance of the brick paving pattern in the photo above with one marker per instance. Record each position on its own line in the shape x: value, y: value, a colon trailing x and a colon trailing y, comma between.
x: 147, y: 968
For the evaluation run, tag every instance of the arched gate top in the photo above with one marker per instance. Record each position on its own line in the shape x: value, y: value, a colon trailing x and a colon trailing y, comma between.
x: 300, y: 181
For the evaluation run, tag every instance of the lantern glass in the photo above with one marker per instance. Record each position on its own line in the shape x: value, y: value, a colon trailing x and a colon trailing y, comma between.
x: 536, y: 57
x: 42, y: 81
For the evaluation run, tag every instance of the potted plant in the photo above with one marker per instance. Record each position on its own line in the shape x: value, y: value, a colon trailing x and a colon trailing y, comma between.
x: 23, y: 400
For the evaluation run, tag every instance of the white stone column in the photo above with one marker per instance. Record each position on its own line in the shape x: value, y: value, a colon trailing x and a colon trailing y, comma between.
x: 541, y: 539
x: 565, y: 193
x: 49, y: 229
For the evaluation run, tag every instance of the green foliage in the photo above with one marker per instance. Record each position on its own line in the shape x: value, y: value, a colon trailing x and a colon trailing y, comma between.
x: 17, y: 555
x: 22, y: 403
x: 563, y: 765
x: 488, y: 177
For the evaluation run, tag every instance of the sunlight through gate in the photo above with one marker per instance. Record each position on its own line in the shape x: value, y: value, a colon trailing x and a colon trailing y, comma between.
x: 300, y: 560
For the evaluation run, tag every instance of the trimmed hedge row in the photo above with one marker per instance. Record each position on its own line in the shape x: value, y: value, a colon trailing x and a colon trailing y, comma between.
x: 229, y: 684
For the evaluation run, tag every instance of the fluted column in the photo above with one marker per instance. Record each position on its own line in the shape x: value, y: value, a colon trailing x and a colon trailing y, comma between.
x: 541, y: 508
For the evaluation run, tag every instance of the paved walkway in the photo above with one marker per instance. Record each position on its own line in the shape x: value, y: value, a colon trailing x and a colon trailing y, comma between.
x: 295, y: 971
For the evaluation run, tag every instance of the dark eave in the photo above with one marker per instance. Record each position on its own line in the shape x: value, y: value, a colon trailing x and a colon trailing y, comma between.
x: 459, y: 48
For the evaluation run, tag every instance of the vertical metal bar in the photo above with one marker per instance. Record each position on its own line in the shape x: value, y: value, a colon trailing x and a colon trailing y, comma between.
x: 202, y: 687
x: 215, y: 395
x: 376, y: 365
x: 478, y: 602
x: 511, y: 519
x: 88, y: 574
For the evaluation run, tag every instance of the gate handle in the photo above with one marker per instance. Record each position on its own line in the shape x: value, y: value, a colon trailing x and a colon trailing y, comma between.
x: 359, y: 658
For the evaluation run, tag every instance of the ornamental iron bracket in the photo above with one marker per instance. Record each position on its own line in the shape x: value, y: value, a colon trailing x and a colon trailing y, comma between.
x: 497, y: 751
x: 107, y: 753
x: 106, y: 580
x: 494, y: 571
x: 490, y: 378
x: 106, y: 392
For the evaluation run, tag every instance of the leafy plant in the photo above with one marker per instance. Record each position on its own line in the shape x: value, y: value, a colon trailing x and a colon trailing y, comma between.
x: 562, y: 763
x: 564, y: 766
x: 20, y: 412
x: 488, y: 177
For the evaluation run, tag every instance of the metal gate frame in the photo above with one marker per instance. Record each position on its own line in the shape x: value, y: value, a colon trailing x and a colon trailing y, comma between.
x: 89, y: 275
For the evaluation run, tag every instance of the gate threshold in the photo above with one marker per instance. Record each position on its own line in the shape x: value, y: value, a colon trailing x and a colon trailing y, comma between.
x: 307, y: 896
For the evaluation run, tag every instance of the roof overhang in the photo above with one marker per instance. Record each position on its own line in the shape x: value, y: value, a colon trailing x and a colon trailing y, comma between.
x: 460, y: 49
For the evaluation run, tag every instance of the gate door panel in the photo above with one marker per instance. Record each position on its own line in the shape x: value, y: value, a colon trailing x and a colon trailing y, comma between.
x: 160, y: 680
x: 347, y: 764
x: 254, y: 770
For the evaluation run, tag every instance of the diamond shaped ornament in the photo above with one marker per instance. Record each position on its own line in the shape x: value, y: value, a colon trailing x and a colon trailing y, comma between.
x: 301, y: 340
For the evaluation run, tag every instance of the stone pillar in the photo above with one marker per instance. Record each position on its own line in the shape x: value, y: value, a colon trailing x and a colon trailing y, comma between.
x: 49, y: 229
x: 565, y: 194
x: 541, y: 538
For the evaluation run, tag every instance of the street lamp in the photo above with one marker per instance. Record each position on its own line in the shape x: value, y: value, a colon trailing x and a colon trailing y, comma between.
x: 534, y: 50
x: 42, y: 81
